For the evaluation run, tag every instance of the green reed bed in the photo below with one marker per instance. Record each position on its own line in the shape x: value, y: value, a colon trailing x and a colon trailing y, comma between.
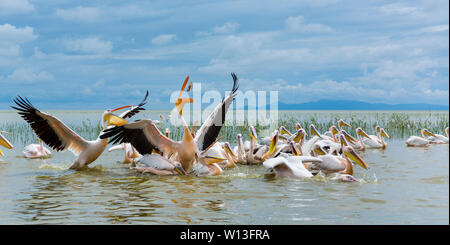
x: 398, y: 125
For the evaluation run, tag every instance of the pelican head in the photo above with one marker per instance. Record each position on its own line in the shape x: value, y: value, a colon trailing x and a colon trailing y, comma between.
x: 334, y: 130
x: 301, y: 134
x: 361, y: 132
x: 295, y: 150
x: 253, y: 135
x: 283, y: 130
x: 343, y: 140
x: 352, y: 155
x: 227, y: 148
x: 273, y: 142
x: 342, y: 123
x: 313, y: 130
x: 240, y: 144
x: 298, y: 126
x: 112, y: 119
x: 427, y: 132
x: 383, y: 133
x: 348, y: 137
x: 378, y: 128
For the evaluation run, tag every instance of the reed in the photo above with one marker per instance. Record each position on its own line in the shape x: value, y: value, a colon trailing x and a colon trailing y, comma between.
x: 398, y: 125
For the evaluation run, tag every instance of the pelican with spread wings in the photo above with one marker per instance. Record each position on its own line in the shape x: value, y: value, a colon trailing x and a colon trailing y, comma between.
x: 60, y: 137
x: 146, y: 137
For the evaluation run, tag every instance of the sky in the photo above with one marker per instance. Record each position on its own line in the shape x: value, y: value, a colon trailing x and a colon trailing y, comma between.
x: 94, y: 54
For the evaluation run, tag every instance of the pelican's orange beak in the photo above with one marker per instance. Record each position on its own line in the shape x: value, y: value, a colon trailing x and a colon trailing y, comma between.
x: 4, y: 142
x: 356, y: 158
x: 120, y: 108
x: 179, y: 104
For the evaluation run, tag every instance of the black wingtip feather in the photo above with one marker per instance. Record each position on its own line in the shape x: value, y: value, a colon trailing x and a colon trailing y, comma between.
x: 235, y: 82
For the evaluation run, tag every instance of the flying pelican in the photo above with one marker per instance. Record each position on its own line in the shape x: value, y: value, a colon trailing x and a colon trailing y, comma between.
x: 37, y: 151
x: 439, y: 139
x: 420, y: 141
x: 4, y: 142
x: 59, y: 137
x: 129, y: 151
x: 377, y: 141
x: 146, y: 137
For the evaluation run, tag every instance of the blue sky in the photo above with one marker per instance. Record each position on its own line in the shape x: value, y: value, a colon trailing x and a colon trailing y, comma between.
x: 94, y: 54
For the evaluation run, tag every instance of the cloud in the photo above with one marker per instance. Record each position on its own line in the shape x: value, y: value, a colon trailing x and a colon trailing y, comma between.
x: 436, y: 28
x: 398, y: 8
x: 10, y: 33
x: 9, y: 7
x: 12, y: 37
x: 80, y: 13
x: 164, y: 39
x: 226, y: 28
x: 93, y: 45
x: 296, y: 24
x: 27, y: 75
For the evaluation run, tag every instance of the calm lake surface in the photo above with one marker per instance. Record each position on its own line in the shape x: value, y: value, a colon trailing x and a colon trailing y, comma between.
x: 404, y: 186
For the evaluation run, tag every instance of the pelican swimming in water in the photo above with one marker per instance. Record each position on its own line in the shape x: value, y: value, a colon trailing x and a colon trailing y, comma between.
x: 60, y: 137
x: 37, y: 151
x: 157, y: 164
x: 129, y: 151
x: 338, y: 164
x: 359, y: 144
x: 4, y: 142
x: 439, y: 139
x: 420, y: 141
x: 377, y: 141
x: 290, y: 167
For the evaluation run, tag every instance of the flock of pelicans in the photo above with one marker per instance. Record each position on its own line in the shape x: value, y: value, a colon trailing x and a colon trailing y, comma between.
x: 200, y: 152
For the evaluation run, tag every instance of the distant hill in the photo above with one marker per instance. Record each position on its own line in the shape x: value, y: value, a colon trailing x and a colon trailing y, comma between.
x: 358, y: 105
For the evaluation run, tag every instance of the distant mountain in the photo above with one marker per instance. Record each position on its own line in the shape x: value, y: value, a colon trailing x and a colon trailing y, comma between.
x: 358, y: 105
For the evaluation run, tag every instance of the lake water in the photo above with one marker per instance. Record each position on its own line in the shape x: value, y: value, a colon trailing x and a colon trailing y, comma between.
x: 404, y: 186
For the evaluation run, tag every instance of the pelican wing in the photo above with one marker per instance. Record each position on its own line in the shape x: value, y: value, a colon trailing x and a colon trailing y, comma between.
x: 210, y: 129
x: 142, y: 134
x: 50, y: 129
x: 135, y: 109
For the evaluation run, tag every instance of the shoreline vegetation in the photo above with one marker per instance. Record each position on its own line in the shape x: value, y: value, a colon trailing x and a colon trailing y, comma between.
x: 399, y: 125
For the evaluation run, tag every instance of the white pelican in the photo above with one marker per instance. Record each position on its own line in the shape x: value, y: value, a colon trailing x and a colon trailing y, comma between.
x: 145, y: 137
x: 359, y: 145
x: 439, y: 139
x: 157, y: 164
x: 378, y: 140
x: 207, y: 165
x: 59, y: 137
x: 338, y: 164
x: 4, y: 142
x: 240, y: 151
x: 420, y: 141
x: 129, y: 151
x: 290, y: 167
x: 37, y: 151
